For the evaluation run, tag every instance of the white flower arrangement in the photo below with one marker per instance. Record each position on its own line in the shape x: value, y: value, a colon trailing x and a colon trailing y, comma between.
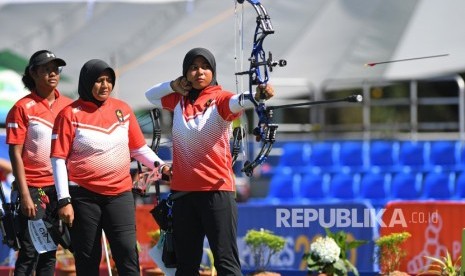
x: 326, y: 249
x: 328, y: 254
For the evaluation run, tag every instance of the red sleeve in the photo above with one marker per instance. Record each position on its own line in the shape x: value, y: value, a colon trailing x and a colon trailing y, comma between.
x: 62, y: 135
x: 16, y: 125
x: 223, y: 107
x: 170, y: 101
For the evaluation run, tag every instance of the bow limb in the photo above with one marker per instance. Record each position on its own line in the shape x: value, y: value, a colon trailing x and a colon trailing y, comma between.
x: 265, y: 131
x: 146, y: 178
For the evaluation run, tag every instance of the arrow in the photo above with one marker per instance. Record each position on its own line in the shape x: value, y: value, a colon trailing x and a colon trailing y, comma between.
x: 399, y: 60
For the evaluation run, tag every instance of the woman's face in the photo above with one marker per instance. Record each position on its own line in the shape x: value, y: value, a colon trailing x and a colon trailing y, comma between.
x: 199, y: 73
x: 103, y: 86
x: 46, y: 76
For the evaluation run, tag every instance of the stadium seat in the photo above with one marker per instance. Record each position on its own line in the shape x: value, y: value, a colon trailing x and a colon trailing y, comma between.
x: 352, y: 156
x: 322, y: 157
x: 438, y: 185
x: 460, y: 186
x: 343, y: 186
x: 444, y: 155
x: 412, y: 156
x: 383, y: 155
x: 374, y: 187
x: 406, y: 185
x: 282, y: 186
x: 295, y: 155
x: 314, y: 186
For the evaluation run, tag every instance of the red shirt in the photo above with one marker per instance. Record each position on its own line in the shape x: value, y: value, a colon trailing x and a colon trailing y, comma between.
x: 96, y: 143
x: 29, y: 123
x: 201, y: 134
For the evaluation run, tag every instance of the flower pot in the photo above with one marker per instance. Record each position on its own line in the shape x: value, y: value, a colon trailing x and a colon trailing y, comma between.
x: 66, y: 271
x: 153, y: 272
x: 206, y: 273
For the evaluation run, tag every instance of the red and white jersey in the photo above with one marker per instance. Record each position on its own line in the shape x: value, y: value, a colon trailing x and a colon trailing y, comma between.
x: 29, y: 123
x: 201, y: 134
x: 96, y: 143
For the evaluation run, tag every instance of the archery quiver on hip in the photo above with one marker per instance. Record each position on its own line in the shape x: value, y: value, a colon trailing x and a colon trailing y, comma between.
x: 9, y: 219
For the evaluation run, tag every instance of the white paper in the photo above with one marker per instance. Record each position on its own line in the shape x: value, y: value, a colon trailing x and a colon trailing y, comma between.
x: 40, y: 237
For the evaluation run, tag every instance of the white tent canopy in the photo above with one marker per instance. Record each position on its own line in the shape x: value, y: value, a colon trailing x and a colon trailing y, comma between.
x: 322, y: 40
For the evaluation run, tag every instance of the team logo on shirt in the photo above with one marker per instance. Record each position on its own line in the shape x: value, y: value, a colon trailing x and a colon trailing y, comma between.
x: 119, y: 115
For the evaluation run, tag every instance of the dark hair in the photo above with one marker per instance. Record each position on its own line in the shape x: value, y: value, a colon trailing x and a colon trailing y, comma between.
x: 28, y: 81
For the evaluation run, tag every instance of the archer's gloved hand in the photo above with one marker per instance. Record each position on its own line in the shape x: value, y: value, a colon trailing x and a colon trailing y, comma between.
x: 264, y: 91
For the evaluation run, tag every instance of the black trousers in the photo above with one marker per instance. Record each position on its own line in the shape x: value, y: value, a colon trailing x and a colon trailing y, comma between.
x: 113, y: 214
x: 29, y: 260
x: 210, y: 214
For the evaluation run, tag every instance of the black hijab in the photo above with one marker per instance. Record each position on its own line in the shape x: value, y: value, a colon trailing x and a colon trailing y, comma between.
x: 90, y: 72
x: 189, y: 58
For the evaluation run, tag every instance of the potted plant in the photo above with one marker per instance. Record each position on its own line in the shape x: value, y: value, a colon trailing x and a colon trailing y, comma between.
x: 444, y: 266
x: 65, y: 263
x: 263, y: 245
x: 328, y: 255
x: 389, y: 253
x: 208, y: 269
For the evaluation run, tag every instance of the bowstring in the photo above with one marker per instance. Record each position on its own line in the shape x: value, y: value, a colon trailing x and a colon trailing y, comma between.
x: 239, y: 67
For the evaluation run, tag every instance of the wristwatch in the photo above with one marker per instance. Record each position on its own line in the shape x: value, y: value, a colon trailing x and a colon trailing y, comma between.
x: 63, y: 202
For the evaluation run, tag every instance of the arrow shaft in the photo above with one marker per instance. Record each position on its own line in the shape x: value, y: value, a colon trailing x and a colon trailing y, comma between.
x: 406, y: 59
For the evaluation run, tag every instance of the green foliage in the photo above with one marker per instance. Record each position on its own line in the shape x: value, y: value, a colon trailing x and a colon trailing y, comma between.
x: 444, y: 266
x: 211, y: 260
x: 263, y: 245
x: 389, y: 253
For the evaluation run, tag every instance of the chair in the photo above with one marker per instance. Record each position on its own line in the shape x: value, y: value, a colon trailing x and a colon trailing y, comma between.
x: 382, y: 155
x: 406, y: 185
x: 374, y: 185
x: 322, y: 157
x: 352, y: 155
x: 314, y: 186
x: 444, y: 155
x: 295, y: 155
x: 412, y: 156
x: 282, y: 186
x: 438, y: 185
x: 460, y: 186
x: 343, y: 186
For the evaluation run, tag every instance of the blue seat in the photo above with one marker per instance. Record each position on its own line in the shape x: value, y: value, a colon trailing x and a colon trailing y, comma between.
x: 282, y: 186
x: 460, y: 186
x: 343, y: 186
x: 314, y: 186
x: 444, y: 155
x: 295, y: 155
x: 383, y: 155
x: 406, y: 185
x: 352, y: 156
x: 412, y: 156
x: 438, y: 185
x: 374, y: 187
x: 322, y: 157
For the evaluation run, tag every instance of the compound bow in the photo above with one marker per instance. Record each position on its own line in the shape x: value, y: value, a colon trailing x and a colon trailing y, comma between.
x: 265, y: 131
x: 258, y: 75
